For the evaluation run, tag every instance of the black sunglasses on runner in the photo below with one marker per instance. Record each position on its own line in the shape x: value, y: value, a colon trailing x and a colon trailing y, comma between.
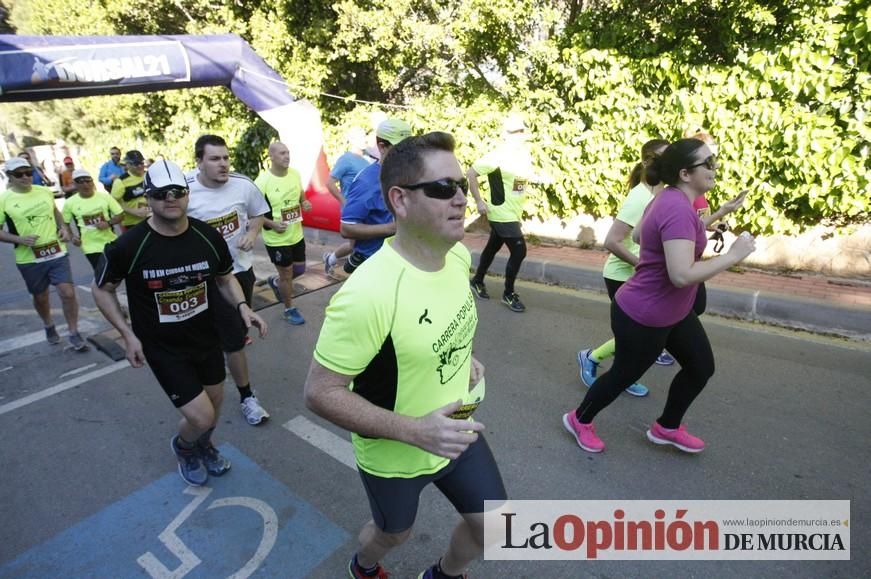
x: 441, y: 189
x: 83, y: 180
x: 710, y: 164
x: 164, y: 192
x: 21, y: 174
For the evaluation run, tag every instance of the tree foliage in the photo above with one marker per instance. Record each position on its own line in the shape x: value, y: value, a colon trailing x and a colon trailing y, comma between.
x: 784, y: 85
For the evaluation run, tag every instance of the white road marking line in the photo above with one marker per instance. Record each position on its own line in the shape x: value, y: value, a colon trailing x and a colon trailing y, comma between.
x: 323, y: 439
x: 78, y: 370
x: 36, y: 396
x: 6, y: 368
x: 37, y: 337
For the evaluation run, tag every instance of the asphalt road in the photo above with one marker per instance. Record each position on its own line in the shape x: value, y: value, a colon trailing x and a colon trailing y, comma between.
x: 87, y: 480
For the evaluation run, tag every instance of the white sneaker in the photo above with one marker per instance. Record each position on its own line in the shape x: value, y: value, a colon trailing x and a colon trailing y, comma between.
x: 253, y: 412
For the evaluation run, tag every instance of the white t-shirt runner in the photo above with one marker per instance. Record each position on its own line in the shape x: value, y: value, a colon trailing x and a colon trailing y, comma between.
x: 228, y: 209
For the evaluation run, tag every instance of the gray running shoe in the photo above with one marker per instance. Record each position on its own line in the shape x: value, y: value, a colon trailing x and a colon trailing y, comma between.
x: 79, y: 344
x: 328, y: 267
x: 215, y: 462
x: 190, y: 465
x: 253, y: 412
x: 51, y: 336
x: 272, y: 280
x: 513, y: 302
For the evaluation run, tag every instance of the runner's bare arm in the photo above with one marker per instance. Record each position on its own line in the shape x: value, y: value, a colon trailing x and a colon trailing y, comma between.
x: 476, y: 372
x: 107, y: 302
x: 334, y: 191
x: 472, y: 176
x: 614, y: 242
x: 365, y: 231
x: 231, y: 291
x: 28, y: 240
x: 63, y: 228
x: 255, y: 224
x: 327, y: 395
x: 684, y: 270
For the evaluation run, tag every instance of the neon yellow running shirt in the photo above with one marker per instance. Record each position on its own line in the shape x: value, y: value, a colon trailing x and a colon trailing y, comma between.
x: 630, y: 214
x: 88, y: 212
x: 507, y: 169
x: 32, y: 213
x: 284, y: 195
x: 406, y: 336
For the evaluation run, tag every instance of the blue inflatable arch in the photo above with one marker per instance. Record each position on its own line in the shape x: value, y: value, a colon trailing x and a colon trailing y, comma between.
x: 34, y: 68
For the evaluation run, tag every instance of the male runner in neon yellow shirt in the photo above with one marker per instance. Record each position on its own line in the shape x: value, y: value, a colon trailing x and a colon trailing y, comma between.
x: 282, y: 227
x: 94, y: 214
x: 394, y: 363
x: 36, y: 228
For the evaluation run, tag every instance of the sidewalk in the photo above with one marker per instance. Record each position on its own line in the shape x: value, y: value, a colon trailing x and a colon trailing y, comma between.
x: 806, y: 301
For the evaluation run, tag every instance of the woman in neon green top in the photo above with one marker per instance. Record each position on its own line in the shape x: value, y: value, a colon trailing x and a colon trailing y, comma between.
x: 624, y: 254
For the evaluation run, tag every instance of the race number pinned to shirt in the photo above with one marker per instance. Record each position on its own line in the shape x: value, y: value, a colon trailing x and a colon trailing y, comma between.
x: 291, y: 215
x: 227, y: 225
x: 47, y: 252
x: 519, y: 186
x: 92, y: 221
x: 179, y: 305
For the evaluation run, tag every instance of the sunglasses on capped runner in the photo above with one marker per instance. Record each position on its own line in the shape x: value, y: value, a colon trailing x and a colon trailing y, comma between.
x: 82, y: 180
x: 710, y: 164
x: 441, y: 189
x: 165, y: 193
x: 21, y: 174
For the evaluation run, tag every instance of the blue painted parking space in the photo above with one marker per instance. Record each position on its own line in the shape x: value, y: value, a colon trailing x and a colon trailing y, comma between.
x: 244, y: 524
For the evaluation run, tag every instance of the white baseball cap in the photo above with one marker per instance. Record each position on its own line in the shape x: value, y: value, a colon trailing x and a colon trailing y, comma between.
x: 16, y: 163
x: 79, y: 173
x: 162, y: 174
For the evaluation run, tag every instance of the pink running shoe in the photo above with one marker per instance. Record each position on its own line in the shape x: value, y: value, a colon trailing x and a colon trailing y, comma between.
x: 678, y: 437
x: 585, y: 434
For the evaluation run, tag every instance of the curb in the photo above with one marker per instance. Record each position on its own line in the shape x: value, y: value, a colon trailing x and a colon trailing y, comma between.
x: 812, y: 315
x: 770, y: 308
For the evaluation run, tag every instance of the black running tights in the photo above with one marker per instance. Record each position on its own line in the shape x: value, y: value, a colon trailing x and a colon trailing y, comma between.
x: 517, y: 253
x: 637, y: 349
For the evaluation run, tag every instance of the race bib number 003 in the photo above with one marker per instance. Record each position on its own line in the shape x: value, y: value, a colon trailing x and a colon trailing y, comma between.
x: 180, y: 305
x: 227, y: 225
x: 291, y: 214
x: 47, y: 252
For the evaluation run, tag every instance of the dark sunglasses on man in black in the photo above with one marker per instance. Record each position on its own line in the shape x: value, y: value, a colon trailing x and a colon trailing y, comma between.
x: 441, y: 189
x: 168, y: 192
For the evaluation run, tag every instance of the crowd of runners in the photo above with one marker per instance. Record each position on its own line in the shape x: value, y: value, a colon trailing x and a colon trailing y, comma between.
x: 393, y: 363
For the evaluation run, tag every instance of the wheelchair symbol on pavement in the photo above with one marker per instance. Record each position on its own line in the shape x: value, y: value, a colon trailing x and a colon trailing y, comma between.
x: 157, y: 570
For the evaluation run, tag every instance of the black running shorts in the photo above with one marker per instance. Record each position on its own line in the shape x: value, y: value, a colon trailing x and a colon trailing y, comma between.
x: 183, y: 375
x: 467, y: 482
x: 287, y: 255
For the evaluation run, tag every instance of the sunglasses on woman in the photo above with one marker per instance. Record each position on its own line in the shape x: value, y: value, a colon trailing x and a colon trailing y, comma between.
x: 168, y: 192
x: 710, y: 164
x: 441, y: 189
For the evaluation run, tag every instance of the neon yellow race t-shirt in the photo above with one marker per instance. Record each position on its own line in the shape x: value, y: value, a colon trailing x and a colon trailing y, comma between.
x: 284, y: 195
x: 88, y: 212
x: 508, y: 169
x: 129, y: 192
x: 32, y: 213
x: 405, y: 335
x: 630, y: 213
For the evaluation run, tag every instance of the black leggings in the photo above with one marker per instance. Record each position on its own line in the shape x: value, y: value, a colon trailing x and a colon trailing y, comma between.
x: 517, y: 250
x: 637, y: 349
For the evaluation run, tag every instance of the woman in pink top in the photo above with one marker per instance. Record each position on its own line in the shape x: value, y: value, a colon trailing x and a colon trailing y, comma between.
x: 654, y: 308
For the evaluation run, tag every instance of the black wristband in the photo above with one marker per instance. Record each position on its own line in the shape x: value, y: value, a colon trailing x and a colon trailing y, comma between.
x: 240, y: 304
